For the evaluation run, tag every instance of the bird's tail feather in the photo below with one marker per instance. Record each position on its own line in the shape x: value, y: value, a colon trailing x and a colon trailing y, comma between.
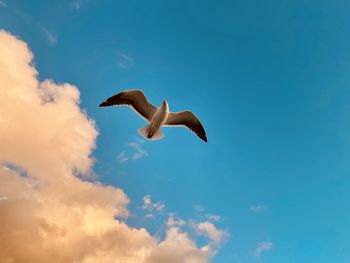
x: 146, y: 133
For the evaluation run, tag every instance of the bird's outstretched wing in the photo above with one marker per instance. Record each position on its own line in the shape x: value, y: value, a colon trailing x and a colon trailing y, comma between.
x: 134, y: 99
x: 188, y: 119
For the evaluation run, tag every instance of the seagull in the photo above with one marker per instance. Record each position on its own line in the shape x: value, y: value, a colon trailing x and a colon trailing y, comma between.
x: 157, y: 117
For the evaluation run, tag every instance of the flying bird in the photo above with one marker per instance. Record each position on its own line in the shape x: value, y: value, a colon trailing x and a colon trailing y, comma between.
x: 157, y: 117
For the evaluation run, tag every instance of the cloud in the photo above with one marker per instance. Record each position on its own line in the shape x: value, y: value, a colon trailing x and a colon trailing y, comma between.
x: 210, y: 217
x: 177, y: 247
x: 258, y: 208
x: 208, y: 229
x: 124, y: 61
x: 262, y: 247
x: 139, y: 152
x: 51, y: 37
x: 135, y: 152
x: 122, y: 158
x: 199, y: 208
x: 51, y: 211
x: 213, y: 218
x: 3, y: 3
x: 173, y: 222
x: 150, y: 206
x: 76, y: 4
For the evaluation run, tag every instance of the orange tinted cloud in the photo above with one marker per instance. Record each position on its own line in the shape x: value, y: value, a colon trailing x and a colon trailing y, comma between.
x: 48, y: 214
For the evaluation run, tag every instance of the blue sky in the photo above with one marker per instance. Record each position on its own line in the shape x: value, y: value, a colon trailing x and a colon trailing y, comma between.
x: 270, y: 82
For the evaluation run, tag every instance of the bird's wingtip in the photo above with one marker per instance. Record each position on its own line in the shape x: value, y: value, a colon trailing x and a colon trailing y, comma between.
x: 103, y: 104
x: 204, y: 138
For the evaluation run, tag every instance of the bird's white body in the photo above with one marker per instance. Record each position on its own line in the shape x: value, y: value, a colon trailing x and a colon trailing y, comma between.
x: 153, y: 130
x: 157, y: 117
x: 160, y: 117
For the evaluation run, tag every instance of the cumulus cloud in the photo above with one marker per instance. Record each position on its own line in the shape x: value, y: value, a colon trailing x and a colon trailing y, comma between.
x: 262, y: 247
x: 177, y: 246
x: 258, y: 208
x: 208, y: 229
x: 50, y: 211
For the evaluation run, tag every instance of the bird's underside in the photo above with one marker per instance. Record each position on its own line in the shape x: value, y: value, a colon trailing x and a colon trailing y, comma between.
x: 139, y: 103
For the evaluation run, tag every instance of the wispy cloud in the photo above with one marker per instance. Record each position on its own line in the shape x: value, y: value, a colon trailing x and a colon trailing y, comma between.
x: 2, y: 3
x: 199, y: 208
x: 122, y: 158
x: 213, y: 218
x: 51, y: 37
x: 151, y: 207
x: 133, y: 152
x: 139, y: 152
x: 206, y: 216
x: 24, y: 16
x: 174, y: 222
x: 124, y: 61
x: 76, y: 5
x: 258, y: 208
x: 263, y: 247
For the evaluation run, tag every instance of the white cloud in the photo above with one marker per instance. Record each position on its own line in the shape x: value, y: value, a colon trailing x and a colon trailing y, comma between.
x: 178, y: 247
x: 173, y: 222
x: 134, y: 152
x: 122, y: 158
x: 51, y: 37
x: 262, y: 247
x: 258, y: 208
x: 23, y: 16
x: 2, y: 3
x: 139, y: 152
x: 149, y: 205
x: 208, y: 216
x: 199, y: 208
x: 213, y: 218
x: 124, y: 61
x: 76, y: 4
x: 45, y: 133
x: 149, y: 216
x: 209, y: 229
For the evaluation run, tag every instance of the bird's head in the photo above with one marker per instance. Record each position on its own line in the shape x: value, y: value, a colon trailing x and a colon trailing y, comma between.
x: 165, y: 104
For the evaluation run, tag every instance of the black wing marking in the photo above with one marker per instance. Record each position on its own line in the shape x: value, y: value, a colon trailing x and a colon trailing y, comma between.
x: 188, y: 119
x: 135, y: 99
